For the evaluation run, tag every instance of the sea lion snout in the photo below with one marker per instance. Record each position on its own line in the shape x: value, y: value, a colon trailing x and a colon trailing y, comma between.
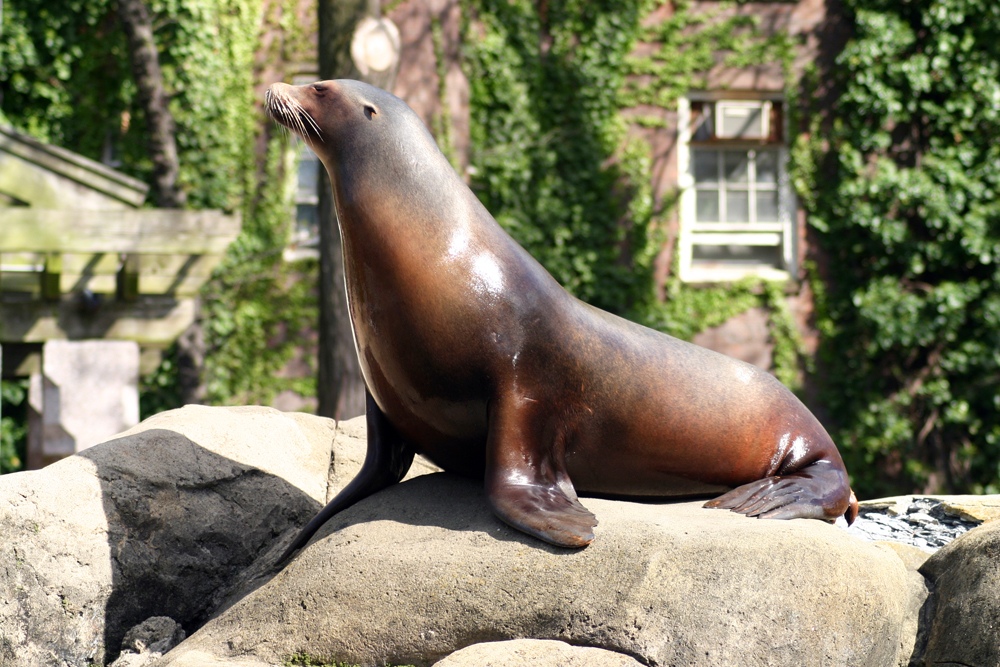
x: 295, y: 107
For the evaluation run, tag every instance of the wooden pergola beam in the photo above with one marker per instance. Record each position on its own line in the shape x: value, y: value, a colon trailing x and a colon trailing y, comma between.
x: 137, y: 231
x: 149, y: 321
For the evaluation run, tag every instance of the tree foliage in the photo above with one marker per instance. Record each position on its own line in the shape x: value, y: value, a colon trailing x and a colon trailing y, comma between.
x: 13, y: 424
x: 906, y: 200
x: 548, y: 145
x: 65, y: 79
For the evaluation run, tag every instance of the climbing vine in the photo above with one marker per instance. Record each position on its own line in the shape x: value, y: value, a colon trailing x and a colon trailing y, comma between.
x: 904, y: 171
x: 259, y: 309
x: 13, y: 424
x: 65, y: 79
x: 687, y: 44
x: 546, y: 141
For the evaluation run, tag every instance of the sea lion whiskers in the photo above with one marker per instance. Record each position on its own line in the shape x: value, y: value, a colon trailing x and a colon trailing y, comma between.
x: 283, y: 108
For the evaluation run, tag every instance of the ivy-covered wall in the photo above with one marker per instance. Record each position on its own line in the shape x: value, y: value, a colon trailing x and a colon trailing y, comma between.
x: 571, y: 103
x: 566, y: 103
x: 906, y: 196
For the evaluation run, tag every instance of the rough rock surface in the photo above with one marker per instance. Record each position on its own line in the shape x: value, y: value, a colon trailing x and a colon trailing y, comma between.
x: 153, y: 523
x: 350, y: 447
x: 423, y: 569
x: 148, y: 641
x: 184, y: 516
x: 535, y: 653
x: 962, y: 620
x: 926, y: 522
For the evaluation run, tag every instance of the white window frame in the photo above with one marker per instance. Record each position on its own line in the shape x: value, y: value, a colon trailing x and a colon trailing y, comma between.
x: 765, y: 115
x: 780, y: 234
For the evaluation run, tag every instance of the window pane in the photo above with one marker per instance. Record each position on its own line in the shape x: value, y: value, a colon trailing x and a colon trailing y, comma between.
x: 767, y: 206
x: 702, y: 114
x: 734, y: 166
x: 707, y: 208
x: 706, y: 169
x: 767, y: 166
x: 737, y: 206
x: 308, y: 174
x: 736, y: 255
x: 741, y: 122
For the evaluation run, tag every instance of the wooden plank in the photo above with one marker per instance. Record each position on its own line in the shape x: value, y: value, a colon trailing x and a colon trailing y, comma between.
x: 96, y: 272
x: 154, y: 321
x: 19, y: 272
x: 175, y: 285
x: 74, y: 167
x: 125, y: 276
x: 24, y: 229
x: 164, y: 274
x: 127, y: 283
x: 22, y: 261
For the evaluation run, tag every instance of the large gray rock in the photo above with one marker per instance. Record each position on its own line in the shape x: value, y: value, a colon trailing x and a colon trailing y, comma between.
x: 153, y: 523
x: 961, y: 623
x: 424, y: 569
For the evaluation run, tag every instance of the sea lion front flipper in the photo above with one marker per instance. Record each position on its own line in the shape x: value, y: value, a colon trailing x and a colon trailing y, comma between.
x: 818, y: 491
x: 526, y: 480
x: 386, y: 462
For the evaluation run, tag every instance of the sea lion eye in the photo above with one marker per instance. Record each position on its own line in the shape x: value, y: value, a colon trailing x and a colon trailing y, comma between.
x: 319, y: 88
x: 370, y: 111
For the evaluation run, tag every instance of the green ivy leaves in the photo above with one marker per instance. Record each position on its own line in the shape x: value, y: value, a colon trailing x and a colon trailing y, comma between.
x: 548, y: 147
x: 909, y: 214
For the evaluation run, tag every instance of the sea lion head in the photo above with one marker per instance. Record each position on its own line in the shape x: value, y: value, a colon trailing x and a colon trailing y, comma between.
x: 346, y: 120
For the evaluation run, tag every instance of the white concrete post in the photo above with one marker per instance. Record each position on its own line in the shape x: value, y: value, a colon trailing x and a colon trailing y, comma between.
x: 87, y: 393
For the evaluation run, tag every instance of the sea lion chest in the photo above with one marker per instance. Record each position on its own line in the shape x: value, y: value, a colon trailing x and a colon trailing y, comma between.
x: 438, y: 316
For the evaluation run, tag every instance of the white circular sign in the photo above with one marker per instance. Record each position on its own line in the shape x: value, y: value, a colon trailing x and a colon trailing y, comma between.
x: 375, y: 46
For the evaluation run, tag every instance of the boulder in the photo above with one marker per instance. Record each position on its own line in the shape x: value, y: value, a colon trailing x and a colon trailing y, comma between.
x: 424, y: 569
x: 148, y: 641
x: 961, y: 622
x: 153, y: 523
x: 535, y: 653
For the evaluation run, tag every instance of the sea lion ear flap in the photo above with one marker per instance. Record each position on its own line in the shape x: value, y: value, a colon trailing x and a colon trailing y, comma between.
x: 370, y: 111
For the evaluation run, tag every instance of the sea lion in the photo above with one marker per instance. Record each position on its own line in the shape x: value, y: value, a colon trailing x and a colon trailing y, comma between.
x: 473, y: 355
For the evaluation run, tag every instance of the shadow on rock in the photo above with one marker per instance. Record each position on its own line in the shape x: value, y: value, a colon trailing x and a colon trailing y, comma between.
x: 156, y: 523
x: 182, y: 522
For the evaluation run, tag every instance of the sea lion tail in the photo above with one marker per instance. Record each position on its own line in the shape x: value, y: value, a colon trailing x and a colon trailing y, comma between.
x: 852, y: 509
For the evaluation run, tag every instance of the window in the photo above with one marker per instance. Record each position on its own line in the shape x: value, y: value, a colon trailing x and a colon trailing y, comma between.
x: 737, y: 209
x: 304, y: 243
x: 307, y: 198
x: 305, y: 233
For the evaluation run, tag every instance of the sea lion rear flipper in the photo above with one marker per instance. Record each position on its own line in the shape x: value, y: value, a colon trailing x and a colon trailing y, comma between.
x: 818, y: 491
x: 526, y: 480
x: 386, y: 462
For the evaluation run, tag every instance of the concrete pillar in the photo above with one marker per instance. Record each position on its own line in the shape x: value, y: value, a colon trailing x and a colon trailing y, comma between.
x: 87, y: 392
